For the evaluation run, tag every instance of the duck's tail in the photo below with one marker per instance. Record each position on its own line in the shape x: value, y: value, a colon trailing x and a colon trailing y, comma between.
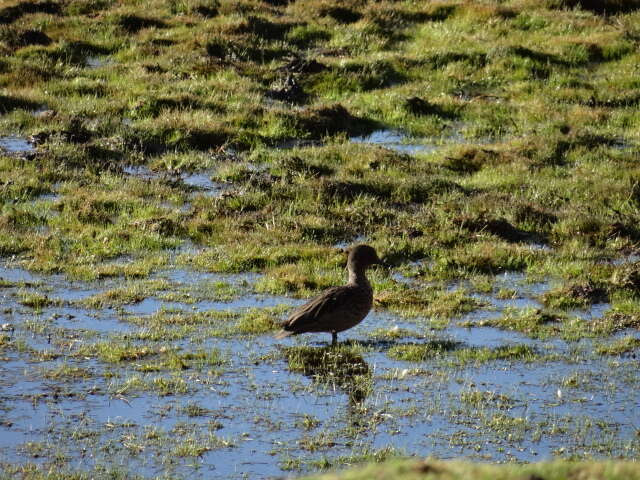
x: 282, y: 334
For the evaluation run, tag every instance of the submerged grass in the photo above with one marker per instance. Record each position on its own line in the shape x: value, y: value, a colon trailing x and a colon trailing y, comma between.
x: 422, y: 352
x: 132, y: 292
x: 162, y: 385
x: 259, y: 321
x: 456, y: 353
x: 623, y: 345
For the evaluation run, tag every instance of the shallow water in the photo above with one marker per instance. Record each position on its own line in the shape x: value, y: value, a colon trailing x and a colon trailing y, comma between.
x: 628, y: 259
x: 397, y: 141
x: 93, y: 62
x: 252, y: 407
x: 200, y: 182
x: 404, y: 143
x: 183, y: 276
x: 151, y: 304
x: 49, y: 198
x: 141, y: 171
x: 14, y: 144
x: 354, y: 241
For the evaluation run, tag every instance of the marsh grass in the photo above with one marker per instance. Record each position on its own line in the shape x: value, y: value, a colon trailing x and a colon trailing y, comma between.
x: 575, y: 296
x: 132, y: 292
x: 178, y: 361
x: 37, y: 301
x: 162, y: 385
x: 451, y: 352
x: 115, y: 352
x: 394, y: 333
x: 523, y: 353
x: 534, y: 322
x: 429, y: 468
x: 618, y: 347
x: 540, y: 323
x: 479, y: 399
x: 428, y: 301
x: 421, y: 352
x: 68, y: 372
x: 261, y: 321
x: 4, y: 340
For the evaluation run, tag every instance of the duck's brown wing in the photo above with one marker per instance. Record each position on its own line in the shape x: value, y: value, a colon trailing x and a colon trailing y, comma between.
x: 309, y: 317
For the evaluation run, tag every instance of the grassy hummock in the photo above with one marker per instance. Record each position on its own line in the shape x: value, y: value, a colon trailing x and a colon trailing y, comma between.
x: 452, y: 470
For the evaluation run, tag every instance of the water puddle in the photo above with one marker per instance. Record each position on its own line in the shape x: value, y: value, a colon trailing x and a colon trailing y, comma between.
x: 142, y: 171
x: 77, y: 319
x: 202, y: 182
x: 488, y: 337
x: 30, y: 425
x: 397, y: 141
x: 93, y: 62
x: 398, y: 277
x: 519, y: 282
x: 50, y: 197
x: 624, y: 145
x: 15, y: 275
x: 15, y: 144
x: 633, y: 258
x: 404, y: 143
x: 348, y: 243
x: 597, y: 310
x: 297, y: 143
x: 199, y: 182
x: 44, y: 112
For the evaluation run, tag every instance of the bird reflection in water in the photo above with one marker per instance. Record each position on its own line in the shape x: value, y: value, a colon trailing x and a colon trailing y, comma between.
x: 340, y: 367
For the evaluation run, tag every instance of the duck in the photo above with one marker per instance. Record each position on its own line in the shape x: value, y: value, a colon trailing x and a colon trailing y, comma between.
x: 338, y: 308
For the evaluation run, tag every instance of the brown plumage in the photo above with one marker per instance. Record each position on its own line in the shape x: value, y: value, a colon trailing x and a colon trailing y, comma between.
x: 338, y: 308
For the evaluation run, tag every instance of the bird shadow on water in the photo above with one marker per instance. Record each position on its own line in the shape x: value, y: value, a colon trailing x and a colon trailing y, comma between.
x: 340, y: 367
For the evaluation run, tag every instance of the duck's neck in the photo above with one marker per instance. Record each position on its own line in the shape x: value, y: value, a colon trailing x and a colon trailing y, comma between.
x: 358, y: 277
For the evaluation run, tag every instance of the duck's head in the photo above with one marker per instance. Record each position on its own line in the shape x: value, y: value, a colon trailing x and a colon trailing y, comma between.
x: 362, y: 257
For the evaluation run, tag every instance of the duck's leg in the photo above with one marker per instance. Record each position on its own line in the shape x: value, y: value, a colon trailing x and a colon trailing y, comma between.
x: 334, y: 338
